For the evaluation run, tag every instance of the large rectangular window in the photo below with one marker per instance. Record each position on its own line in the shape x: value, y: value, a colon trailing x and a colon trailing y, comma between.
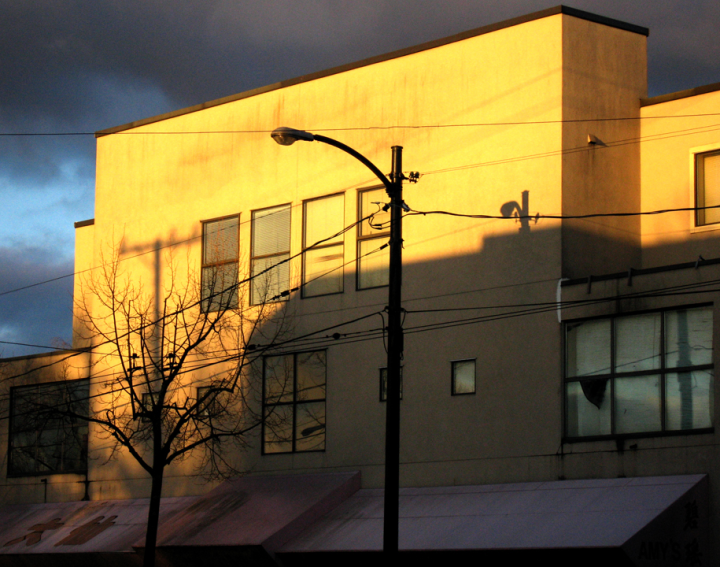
x: 373, y: 253
x: 270, y: 268
x: 220, y: 264
x: 45, y: 436
x: 643, y: 373
x: 294, y: 402
x: 323, y: 263
x: 707, y: 187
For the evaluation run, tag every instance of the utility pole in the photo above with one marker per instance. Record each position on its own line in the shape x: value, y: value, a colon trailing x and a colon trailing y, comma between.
x: 394, y: 358
x: 288, y: 136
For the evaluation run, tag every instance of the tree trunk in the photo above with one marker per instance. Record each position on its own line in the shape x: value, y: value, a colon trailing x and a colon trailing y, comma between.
x: 153, y: 517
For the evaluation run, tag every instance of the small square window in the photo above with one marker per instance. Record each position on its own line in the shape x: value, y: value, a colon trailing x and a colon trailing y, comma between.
x: 463, y: 377
x: 383, y: 384
x: 149, y: 401
x: 210, y: 405
x: 707, y: 187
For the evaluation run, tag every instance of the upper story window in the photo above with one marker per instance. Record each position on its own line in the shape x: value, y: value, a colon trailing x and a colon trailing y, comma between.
x: 220, y: 264
x: 373, y: 264
x: 294, y: 402
x: 45, y: 436
x: 323, y: 263
x: 707, y: 187
x: 644, y: 373
x: 269, y: 265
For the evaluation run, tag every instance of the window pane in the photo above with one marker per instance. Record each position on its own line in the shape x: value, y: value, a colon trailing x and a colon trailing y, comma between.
x: 588, y: 348
x: 311, y: 376
x: 271, y: 231
x: 279, y: 381
x: 688, y: 337
x: 708, y: 187
x: 220, y: 240
x: 323, y: 218
x: 463, y: 377
x: 372, y: 202
x: 294, y: 419
x: 373, y: 268
x: 310, y: 427
x: 268, y: 285
x: 278, y: 429
x: 637, y: 404
x: 588, y: 408
x: 220, y: 287
x: 323, y: 271
x: 637, y: 343
x: 688, y: 399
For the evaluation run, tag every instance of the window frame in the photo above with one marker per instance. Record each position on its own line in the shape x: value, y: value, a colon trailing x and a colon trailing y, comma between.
x: 308, y: 246
x: 662, y: 372
x: 210, y: 407
x: 148, y: 402
x: 294, y: 403
x: 697, y: 154
x: 206, y: 305
x: 453, y: 390
x: 362, y: 238
x: 75, y: 431
x: 253, y: 235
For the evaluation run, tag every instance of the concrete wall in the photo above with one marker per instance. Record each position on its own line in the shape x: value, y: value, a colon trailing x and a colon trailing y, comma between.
x: 604, y: 76
x: 471, y: 98
x: 673, y: 132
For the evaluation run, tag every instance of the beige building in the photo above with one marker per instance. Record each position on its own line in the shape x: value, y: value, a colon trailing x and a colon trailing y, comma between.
x: 551, y: 344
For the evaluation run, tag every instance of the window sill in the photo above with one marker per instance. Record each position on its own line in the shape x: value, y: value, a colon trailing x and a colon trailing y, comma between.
x: 646, y: 435
x: 704, y: 228
x: 46, y: 473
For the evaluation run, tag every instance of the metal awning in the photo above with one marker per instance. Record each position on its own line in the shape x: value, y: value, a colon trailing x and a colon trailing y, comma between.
x: 246, y: 518
x: 653, y: 520
x: 322, y: 519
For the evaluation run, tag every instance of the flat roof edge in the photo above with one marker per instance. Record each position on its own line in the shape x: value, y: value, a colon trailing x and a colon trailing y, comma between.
x: 381, y: 58
x: 56, y: 352
x: 680, y: 94
x: 82, y: 223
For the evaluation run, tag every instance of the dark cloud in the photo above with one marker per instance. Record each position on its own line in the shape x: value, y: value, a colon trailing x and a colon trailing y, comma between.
x: 38, y: 314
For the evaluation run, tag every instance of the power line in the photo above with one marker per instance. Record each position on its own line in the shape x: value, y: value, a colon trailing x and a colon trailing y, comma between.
x: 373, y: 334
x: 560, y: 217
x: 380, y: 128
x: 577, y: 149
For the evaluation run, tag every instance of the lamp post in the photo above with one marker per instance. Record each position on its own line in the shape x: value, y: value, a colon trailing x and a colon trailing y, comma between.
x: 287, y: 136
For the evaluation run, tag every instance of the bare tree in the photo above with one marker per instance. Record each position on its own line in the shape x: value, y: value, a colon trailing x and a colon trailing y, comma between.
x: 173, y: 369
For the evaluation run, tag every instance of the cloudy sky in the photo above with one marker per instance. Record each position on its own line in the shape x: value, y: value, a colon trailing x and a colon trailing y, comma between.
x: 74, y: 66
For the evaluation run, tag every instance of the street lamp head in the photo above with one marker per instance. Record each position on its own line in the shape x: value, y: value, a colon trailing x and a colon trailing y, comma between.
x: 287, y: 136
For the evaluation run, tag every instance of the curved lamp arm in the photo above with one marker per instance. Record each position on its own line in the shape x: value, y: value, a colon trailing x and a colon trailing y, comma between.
x: 287, y: 136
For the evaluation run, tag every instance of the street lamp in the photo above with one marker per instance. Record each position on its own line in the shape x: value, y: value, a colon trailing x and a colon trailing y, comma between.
x: 287, y: 136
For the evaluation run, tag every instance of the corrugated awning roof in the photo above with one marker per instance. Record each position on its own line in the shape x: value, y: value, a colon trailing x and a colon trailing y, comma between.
x: 326, y: 518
